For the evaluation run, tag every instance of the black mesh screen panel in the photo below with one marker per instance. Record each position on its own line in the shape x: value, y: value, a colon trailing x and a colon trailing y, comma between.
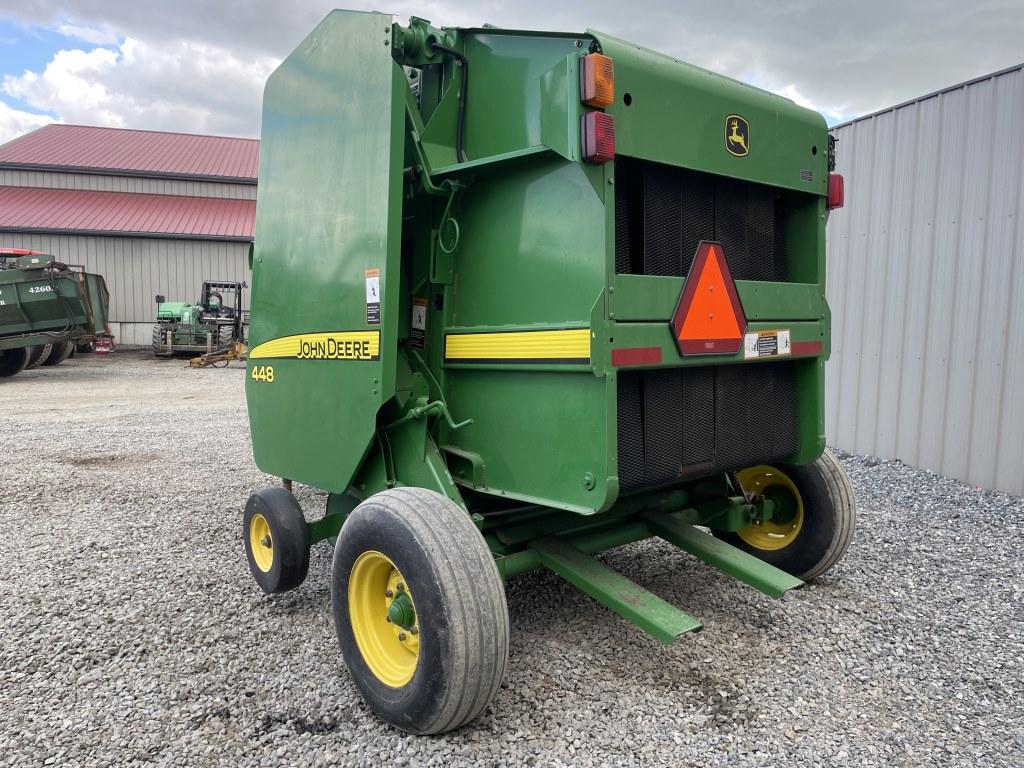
x: 679, y: 423
x: 662, y: 212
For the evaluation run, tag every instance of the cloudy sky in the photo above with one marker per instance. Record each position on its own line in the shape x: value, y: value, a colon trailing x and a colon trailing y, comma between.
x: 199, y: 66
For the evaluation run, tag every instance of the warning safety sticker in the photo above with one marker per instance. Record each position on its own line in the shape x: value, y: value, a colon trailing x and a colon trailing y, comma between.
x: 418, y: 336
x: 372, y: 296
x: 766, y: 344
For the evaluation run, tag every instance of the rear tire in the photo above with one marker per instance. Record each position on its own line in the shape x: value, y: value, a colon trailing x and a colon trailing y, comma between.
x: 276, y: 540
x: 819, y: 535
x: 12, y: 361
x: 417, y: 541
x: 36, y: 355
x: 60, y: 352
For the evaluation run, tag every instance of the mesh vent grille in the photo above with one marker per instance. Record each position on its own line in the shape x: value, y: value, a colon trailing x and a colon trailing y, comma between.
x: 663, y: 212
x: 678, y: 423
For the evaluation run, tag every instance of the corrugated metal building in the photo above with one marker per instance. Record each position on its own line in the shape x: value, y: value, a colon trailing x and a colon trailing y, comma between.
x: 152, y: 212
x: 926, y: 284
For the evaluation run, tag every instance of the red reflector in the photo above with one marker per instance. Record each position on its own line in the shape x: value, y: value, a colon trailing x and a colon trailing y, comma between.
x: 836, y: 193
x: 598, y: 137
x: 624, y: 356
x: 709, y: 319
x: 805, y: 348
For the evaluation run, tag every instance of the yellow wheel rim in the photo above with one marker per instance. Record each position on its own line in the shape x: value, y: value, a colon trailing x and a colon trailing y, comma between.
x: 261, y: 542
x: 377, y: 592
x: 770, y: 536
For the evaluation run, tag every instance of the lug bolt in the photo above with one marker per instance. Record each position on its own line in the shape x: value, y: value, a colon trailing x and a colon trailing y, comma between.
x: 415, y: 630
x: 389, y: 593
x: 400, y: 587
x: 401, y: 636
x: 388, y: 619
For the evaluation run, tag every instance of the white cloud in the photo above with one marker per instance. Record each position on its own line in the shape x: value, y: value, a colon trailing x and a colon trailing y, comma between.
x: 180, y: 85
x: 14, y: 122
x: 200, y: 66
x: 95, y: 35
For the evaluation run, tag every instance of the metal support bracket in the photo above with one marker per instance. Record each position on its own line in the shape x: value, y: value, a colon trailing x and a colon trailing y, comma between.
x: 614, y: 591
x: 727, y: 558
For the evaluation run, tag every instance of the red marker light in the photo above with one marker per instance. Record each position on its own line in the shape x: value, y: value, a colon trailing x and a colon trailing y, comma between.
x: 836, y: 194
x: 598, y: 137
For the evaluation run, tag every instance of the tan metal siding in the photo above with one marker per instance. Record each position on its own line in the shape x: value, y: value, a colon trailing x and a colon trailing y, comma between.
x: 137, y: 269
x: 111, y: 183
x: 926, y: 285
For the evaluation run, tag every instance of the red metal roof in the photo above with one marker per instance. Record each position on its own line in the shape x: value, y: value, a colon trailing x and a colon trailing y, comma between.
x: 72, y: 210
x: 145, y: 153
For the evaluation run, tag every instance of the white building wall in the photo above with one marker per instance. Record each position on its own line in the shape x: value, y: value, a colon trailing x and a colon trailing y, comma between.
x: 16, y: 177
x: 926, y: 285
x: 136, y: 269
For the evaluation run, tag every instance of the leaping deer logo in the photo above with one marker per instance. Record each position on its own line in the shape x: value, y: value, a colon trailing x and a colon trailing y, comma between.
x: 737, y: 136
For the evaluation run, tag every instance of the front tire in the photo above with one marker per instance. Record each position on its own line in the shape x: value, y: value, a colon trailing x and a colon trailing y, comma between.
x: 419, y: 610
x: 815, y: 516
x: 159, y: 341
x: 276, y: 540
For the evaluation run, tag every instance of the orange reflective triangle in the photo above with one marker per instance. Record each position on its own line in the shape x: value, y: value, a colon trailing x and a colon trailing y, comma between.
x: 709, y: 318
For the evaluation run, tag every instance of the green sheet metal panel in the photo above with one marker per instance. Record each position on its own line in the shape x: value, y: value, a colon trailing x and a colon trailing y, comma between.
x: 531, y: 257
x: 677, y: 114
x: 328, y: 210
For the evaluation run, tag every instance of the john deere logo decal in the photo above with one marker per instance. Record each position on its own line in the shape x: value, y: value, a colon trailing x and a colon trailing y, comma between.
x: 737, y: 136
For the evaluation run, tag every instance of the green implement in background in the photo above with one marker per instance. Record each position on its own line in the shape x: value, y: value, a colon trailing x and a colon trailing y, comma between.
x: 46, y: 307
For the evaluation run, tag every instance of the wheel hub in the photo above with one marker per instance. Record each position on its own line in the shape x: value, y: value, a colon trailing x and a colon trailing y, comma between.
x: 383, y: 618
x: 787, y: 508
x: 261, y: 542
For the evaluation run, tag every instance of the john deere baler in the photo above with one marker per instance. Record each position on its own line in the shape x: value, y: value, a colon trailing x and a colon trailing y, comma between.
x: 520, y: 297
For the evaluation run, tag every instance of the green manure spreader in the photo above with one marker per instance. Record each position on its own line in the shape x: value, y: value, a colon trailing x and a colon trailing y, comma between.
x: 46, y: 309
x: 518, y: 298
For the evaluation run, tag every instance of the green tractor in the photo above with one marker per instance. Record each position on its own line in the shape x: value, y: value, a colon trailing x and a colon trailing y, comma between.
x: 518, y: 298
x: 212, y: 324
x: 47, y: 309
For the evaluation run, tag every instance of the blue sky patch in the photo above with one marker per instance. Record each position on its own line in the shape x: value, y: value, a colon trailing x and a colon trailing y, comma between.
x: 31, y: 47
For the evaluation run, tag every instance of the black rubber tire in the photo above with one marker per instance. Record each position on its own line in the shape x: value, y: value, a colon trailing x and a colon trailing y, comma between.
x: 830, y: 517
x: 158, y: 338
x: 12, y: 361
x: 225, y: 336
x: 59, y: 353
x: 290, y: 538
x: 460, y: 604
x: 36, y: 355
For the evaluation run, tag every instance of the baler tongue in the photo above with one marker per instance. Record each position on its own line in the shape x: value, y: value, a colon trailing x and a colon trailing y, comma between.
x: 613, y: 590
x: 646, y: 610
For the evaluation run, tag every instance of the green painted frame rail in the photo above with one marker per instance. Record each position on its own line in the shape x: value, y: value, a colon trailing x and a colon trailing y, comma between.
x: 663, y: 621
x: 723, y: 556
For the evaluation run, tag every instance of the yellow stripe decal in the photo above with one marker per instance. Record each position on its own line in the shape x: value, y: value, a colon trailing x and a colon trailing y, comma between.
x: 336, y: 345
x: 563, y: 346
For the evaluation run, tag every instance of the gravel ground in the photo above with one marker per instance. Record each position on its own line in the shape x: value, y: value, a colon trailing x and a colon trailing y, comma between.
x: 131, y: 631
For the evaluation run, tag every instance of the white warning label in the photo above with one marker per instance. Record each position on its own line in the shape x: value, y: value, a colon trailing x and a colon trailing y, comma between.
x: 372, y: 296
x: 766, y: 344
